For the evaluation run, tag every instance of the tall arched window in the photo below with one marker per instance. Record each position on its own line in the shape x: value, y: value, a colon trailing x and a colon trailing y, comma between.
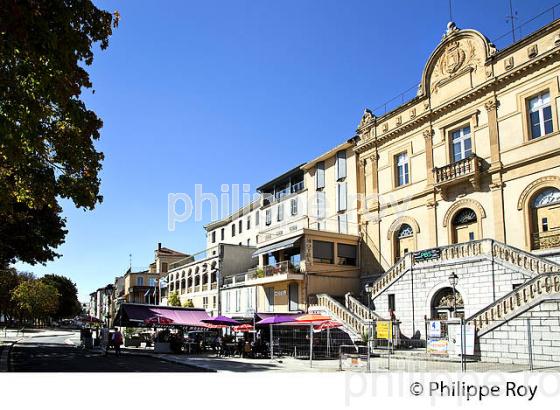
x: 465, y: 226
x: 404, y: 241
x: 545, y: 219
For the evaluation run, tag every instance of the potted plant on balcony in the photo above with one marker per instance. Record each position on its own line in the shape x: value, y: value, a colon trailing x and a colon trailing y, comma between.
x: 259, y: 273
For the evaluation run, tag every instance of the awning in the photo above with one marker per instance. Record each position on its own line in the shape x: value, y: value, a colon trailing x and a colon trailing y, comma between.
x: 131, y: 314
x: 288, y: 243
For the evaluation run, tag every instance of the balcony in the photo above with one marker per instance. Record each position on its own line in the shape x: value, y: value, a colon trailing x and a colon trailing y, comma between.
x: 546, y: 240
x: 267, y: 274
x: 466, y: 170
x: 279, y: 195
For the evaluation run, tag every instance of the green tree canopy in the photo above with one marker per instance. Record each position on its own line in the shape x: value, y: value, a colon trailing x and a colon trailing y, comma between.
x: 35, y: 299
x: 188, y: 303
x: 68, y: 304
x: 47, y: 134
x: 173, y: 299
x: 9, y: 280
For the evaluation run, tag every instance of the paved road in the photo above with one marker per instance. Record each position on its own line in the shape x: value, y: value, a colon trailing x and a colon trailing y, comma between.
x: 57, y: 353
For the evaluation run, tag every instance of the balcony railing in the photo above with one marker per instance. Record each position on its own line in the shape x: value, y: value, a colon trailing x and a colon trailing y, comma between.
x: 279, y: 195
x: 546, y: 240
x: 458, y: 170
x: 280, y: 268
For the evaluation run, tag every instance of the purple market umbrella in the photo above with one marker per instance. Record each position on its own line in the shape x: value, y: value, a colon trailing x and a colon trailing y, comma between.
x: 222, y: 321
x: 277, y: 319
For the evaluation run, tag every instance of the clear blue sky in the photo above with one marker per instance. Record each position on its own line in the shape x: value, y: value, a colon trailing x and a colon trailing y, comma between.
x: 227, y: 92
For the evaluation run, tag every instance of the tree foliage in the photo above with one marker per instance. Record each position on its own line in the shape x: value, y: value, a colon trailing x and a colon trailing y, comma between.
x: 68, y: 304
x: 35, y: 299
x: 188, y: 303
x: 47, y: 134
x: 9, y: 280
x: 173, y: 299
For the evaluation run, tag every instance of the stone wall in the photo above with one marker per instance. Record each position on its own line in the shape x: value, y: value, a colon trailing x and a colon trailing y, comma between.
x: 508, y: 343
x: 481, y: 282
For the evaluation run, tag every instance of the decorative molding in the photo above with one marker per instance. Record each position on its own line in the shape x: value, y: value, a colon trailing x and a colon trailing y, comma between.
x: 532, y: 51
x: 367, y: 118
x: 463, y: 203
x: 397, y: 223
x: 536, y: 185
x: 491, y: 105
x: 428, y: 133
x: 508, y: 63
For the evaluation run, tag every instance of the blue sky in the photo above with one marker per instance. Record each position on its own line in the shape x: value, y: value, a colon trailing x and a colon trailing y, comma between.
x: 237, y: 92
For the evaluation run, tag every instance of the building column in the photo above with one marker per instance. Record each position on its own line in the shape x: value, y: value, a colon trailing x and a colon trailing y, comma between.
x: 431, y: 203
x: 496, y: 184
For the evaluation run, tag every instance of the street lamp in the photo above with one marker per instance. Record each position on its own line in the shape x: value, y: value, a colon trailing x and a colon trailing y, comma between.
x: 453, y: 280
x: 368, y: 289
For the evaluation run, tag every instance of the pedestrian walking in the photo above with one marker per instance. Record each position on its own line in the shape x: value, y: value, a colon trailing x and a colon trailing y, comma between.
x: 117, y: 341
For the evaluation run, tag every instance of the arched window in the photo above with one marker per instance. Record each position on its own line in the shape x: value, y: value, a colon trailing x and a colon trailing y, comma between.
x: 404, y: 241
x: 545, y: 219
x: 465, y: 227
x: 445, y: 302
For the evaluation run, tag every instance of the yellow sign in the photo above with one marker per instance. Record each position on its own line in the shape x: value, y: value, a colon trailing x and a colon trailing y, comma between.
x: 384, y: 329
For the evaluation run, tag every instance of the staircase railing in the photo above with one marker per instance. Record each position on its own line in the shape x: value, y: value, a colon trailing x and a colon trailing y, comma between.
x: 528, y: 264
x: 544, y: 284
x: 359, y: 309
x: 349, y: 319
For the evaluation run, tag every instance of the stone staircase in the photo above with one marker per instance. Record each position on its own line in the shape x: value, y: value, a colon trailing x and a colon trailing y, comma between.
x: 526, y: 263
x: 542, y: 287
x: 353, y: 324
x: 542, y: 278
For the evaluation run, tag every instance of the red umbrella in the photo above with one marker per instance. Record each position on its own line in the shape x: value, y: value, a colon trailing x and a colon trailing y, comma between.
x: 329, y: 324
x: 210, y: 326
x: 311, y: 318
x: 243, y: 328
x: 158, y: 320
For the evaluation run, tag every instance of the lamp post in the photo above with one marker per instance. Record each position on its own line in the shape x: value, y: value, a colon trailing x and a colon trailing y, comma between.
x: 368, y: 290
x: 453, y: 280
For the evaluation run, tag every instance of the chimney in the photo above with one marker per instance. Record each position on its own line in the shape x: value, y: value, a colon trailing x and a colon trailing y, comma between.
x: 159, y: 246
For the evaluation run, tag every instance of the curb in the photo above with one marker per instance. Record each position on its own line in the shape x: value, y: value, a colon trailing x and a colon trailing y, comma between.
x: 5, y: 358
x: 170, y: 360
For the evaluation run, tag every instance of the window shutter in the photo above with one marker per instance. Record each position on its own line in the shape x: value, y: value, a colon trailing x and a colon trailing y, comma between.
x: 340, y: 165
x: 320, y: 175
x: 341, y: 197
x: 321, y: 205
x: 280, y: 212
x: 294, y: 207
x: 268, y: 216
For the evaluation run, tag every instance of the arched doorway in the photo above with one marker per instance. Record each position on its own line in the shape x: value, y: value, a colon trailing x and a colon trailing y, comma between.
x: 404, y: 241
x: 545, y: 219
x: 442, y: 304
x: 465, y: 226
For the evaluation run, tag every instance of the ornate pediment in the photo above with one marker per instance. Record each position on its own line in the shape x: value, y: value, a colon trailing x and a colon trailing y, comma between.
x: 367, y: 118
x: 460, y: 58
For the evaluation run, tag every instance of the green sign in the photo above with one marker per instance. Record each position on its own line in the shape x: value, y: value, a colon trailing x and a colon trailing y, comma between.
x: 427, y: 255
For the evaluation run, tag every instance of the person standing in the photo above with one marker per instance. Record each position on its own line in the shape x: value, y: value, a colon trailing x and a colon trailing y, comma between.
x: 117, y: 341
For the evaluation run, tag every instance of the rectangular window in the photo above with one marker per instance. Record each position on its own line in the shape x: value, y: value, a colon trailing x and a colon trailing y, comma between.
x: 341, y: 197
x: 540, y: 115
x: 343, y: 223
x: 347, y: 254
x: 269, y: 294
x: 152, y: 282
x: 401, y: 163
x: 227, y: 295
x: 140, y: 281
x: 280, y: 212
x: 545, y: 224
x: 233, y: 230
x: 268, y: 216
x: 240, y: 226
x: 293, y: 291
x: 205, y: 302
x: 249, y: 294
x: 164, y: 267
x: 471, y: 236
x: 237, y: 300
x: 340, y: 165
x: 321, y: 205
x: 320, y: 175
x: 323, y: 252
x: 249, y: 222
x: 294, y: 206
x: 223, y: 233
x: 391, y: 299
x: 461, y: 143
x: 214, y: 302
x: 257, y: 217
x: 213, y: 236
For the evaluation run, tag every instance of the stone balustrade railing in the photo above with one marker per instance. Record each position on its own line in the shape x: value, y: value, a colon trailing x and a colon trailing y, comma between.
x: 544, y: 284
x: 359, y: 309
x: 341, y: 313
x: 528, y: 264
x: 457, y: 170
